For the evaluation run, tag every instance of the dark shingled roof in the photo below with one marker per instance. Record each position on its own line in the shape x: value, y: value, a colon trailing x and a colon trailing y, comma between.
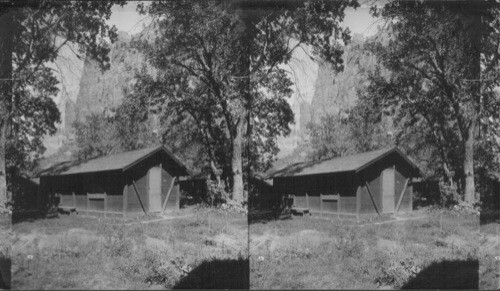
x: 350, y: 163
x: 121, y: 161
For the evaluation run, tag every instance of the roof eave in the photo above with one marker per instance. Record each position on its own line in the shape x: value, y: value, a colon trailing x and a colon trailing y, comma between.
x: 314, y: 174
x: 394, y: 149
x: 177, y: 161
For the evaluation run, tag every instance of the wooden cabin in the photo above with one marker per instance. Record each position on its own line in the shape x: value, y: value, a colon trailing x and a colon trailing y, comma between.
x: 135, y: 182
x: 374, y: 182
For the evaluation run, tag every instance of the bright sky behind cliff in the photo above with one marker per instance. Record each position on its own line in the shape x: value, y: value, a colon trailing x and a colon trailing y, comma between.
x: 128, y: 20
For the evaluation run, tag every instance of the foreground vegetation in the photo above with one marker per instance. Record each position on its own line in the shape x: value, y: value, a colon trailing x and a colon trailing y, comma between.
x: 489, y: 249
x: 5, y: 245
x: 437, y: 250
x: 201, y: 248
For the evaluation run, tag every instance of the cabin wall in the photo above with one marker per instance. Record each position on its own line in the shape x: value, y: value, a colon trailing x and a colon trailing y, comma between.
x: 173, y: 201
x: 372, y: 176
x: 139, y: 177
x: 119, y: 187
x: 72, y: 190
x: 401, y: 175
x: 343, y: 184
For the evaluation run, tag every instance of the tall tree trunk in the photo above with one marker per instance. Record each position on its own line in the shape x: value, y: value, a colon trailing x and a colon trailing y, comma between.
x: 469, y: 193
x: 472, y: 25
x: 237, y: 161
x: 6, y: 27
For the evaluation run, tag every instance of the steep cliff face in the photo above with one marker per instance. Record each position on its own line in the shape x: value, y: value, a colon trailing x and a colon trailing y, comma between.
x: 339, y: 91
x: 332, y: 92
x: 100, y: 91
x: 85, y: 89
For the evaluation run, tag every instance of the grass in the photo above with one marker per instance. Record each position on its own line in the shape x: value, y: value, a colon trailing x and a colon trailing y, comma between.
x: 317, y: 253
x: 489, y: 250
x: 91, y: 253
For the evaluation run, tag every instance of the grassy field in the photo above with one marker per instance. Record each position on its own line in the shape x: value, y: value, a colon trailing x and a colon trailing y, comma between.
x: 201, y: 248
x: 5, y: 247
x: 489, y: 251
x: 437, y: 250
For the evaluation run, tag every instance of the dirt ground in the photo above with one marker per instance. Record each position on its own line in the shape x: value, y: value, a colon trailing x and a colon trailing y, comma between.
x: 98, y: 253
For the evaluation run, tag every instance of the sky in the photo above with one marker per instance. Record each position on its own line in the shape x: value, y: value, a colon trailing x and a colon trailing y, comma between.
x: 128, y: 20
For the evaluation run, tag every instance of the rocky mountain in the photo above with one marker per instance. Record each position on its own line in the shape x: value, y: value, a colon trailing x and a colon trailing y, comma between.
x: 332, y: 92
x: 86, y: 89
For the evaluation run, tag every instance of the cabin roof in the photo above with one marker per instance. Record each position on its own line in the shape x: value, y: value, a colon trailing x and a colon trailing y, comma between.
x: 121, y: 161
x: 351, y: 163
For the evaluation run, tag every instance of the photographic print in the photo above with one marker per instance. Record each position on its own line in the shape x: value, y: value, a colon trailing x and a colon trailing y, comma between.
x: 250, y: 144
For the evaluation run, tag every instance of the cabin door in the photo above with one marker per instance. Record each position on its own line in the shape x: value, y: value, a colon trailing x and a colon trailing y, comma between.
x: 388, y: 190
x: 155, y: 189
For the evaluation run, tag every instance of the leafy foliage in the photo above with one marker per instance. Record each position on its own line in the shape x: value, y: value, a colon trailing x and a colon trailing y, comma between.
x: 218, y: 62
x: 440, y: 78
x: 40, y: 29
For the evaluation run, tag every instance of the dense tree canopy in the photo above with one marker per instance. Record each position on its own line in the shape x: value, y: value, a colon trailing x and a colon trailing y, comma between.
x: 444, y: 64
x: 219, y: 62
x: 39, y: 29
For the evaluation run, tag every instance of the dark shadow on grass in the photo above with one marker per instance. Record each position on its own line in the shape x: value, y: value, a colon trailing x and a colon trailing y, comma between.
x: 5, y: 266
x: 218, y: 274
x: 260, y: 216
x: 447, y: 275
x: 32, y: 216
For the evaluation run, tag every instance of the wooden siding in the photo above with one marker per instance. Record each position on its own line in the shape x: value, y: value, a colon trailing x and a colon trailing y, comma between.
x: 372, y: 177
x: 348, y: 204
x: 173, y: 201
x: 315, y: 185
x: 115, y: 203
x: 117, y: 185
x: 140, y: 178
x: 342, y: 184
x: 407, y: 203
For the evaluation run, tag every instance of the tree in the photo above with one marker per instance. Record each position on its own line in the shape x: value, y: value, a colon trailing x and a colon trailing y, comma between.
x: 6, y: 35
x: 95, y: 137
x: 39, y: 29
x: 442, y: 57
x: 226, y: 57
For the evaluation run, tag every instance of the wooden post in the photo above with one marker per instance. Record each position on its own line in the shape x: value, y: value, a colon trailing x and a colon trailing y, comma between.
x: 125, y: 199
x: 402, y: 195
x: 307, y: 201
x: 358, y: 201
x: 321, y: 204
x: 178, y: 196
x: 338, y: 206
x: 105, y: 204
x: 88, y: 204
x: 410, y: 186
x: 74, y: 200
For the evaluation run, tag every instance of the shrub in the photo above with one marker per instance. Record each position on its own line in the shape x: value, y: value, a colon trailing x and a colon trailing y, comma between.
x: 393, y: 270
x: 349, y: 244
x: 118, y: 245
x: 216, y: 193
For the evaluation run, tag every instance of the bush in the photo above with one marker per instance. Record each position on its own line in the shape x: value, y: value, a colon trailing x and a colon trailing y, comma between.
x: 393, y: 270
x: 349, y: 244
x: 216, y: 193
